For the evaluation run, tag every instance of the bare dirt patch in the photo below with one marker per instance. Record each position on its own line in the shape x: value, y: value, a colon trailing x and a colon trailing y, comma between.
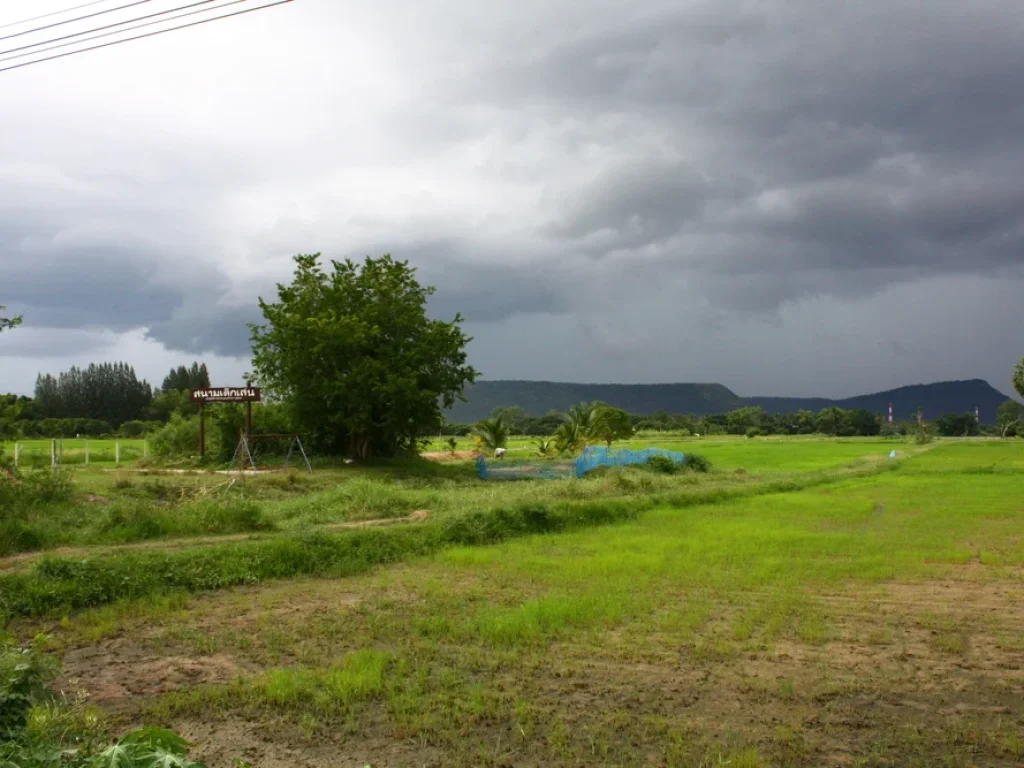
x: 116, y: 673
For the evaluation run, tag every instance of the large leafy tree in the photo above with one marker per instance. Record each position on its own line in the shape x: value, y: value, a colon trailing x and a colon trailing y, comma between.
x: 831, y: 419
x: 611, y: 424
x: 352, y: 352
x: 1018, y: 377
x: 1009, y: 415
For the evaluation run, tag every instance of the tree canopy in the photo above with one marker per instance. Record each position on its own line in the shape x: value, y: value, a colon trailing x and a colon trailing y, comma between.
x: 109, y: 392
x: 194, y: 377
x: 1008, y: 416
x: 1018, y: 378
x: 352, y: 352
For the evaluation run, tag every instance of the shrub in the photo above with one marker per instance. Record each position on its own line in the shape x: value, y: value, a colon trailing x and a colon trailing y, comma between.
x: 24, y: 672
x: 697, y: 463
x: 179, y: 439
x: 753, y: 432
x: 663, y: 465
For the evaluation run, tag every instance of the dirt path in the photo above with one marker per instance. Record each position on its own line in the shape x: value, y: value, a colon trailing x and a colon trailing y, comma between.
x: 24, y: 560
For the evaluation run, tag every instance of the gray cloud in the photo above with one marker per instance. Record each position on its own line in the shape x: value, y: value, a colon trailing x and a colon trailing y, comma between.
x: 631, y: 182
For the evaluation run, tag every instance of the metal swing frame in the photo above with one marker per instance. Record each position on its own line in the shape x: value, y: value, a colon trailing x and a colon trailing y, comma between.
x: 244, y: 450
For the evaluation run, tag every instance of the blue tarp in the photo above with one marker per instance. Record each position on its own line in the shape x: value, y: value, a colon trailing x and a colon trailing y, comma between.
x: 589, y: 460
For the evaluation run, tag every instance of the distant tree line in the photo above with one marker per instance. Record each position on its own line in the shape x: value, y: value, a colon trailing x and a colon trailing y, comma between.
x: 754, y: 421
x: 99, y: 400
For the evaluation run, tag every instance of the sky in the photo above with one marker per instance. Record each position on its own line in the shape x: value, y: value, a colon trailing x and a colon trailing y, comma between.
x: 789, y: 197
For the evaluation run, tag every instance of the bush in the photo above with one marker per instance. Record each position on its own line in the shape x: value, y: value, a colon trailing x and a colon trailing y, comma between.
x: 753, y: 432
x: 663, y: 465
x: 23, y: 676
x: 697, y: 463
x: 179, y: 439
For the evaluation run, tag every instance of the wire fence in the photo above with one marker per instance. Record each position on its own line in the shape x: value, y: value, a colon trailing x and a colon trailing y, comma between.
x: 36, y: 454
x: 548, y: 469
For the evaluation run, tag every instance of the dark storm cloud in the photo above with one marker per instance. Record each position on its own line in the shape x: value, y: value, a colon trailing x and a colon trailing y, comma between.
x: 727, y: 169
x: 872, y: 141
x: 201, y: 328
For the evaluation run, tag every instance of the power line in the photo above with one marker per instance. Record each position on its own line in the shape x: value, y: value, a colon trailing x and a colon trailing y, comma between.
x: 52, y: 13
x: 108, y: 26
x: 108, y: 34
x: 78, y: 18
x: 148, y: 34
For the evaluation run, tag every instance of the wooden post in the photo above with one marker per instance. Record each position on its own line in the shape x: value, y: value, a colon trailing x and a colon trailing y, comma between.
x: 202, y: 430
x: 117, y: 452
x: 87, y: 453
x: 53, y: 453
x: 248, y: 418
x: 17, y: 450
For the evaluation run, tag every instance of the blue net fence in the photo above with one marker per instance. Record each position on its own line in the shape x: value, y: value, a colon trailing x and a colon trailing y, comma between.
x: 547, y: 469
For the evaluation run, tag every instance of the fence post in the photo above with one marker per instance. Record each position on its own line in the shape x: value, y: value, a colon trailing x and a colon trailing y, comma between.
x: 87, y: 453
x: 53, y: 453
x: 17, y: 448
x: 145, y: 449
x: 117, y: 452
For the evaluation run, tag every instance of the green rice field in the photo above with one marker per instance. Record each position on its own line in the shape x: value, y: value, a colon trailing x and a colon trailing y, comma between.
x: 828, y: 606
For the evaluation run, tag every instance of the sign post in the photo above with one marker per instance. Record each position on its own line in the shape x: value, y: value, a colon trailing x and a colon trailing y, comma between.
x: 247, y: 395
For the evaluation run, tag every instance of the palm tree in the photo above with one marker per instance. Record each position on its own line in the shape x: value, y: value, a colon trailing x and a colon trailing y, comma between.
x: 545, y: 446
x: 490, y: 434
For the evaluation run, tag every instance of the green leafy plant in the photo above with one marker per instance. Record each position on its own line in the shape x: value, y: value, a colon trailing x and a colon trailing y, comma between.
x: 697, y: 463
x: 664, y: 465
x: 490, y: 434
x: 24, y: 672
x: 545, y: 446
x: 146, y: 748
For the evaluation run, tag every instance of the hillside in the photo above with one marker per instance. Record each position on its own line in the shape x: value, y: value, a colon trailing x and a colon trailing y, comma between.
x: 539, y: 397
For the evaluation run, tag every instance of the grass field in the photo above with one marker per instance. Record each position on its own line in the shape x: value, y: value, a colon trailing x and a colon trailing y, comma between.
x: 72, y: 452
x: 827, y: 607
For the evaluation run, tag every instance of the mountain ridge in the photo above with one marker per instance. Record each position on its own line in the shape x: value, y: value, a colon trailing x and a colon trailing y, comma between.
x: 539, y: 397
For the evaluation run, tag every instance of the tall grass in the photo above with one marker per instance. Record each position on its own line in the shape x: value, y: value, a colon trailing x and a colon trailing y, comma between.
x: 65, y: 584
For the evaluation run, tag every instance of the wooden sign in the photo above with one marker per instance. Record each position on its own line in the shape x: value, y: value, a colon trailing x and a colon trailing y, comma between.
x: 226, y: 395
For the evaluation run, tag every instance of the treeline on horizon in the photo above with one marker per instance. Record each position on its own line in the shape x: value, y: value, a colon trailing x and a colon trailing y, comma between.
x: 100, y: 400
x: 108, y: 399
x: 755, y: 421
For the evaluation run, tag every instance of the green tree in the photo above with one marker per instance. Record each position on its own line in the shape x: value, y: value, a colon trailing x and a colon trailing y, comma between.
x: 1008, y: 416
x: 831, y: 420
x: 490, y: 434
x: 354, y: 355
x: 181, y: 378
x: 862, y: 422
x: 6, y: 323
x: 1018, y: 377
x: 806, y: 422
x: 611, y: 424
x: 108, y: 392
x: 957, y: 425
x: 514, y: 417
x: 741, y: 420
